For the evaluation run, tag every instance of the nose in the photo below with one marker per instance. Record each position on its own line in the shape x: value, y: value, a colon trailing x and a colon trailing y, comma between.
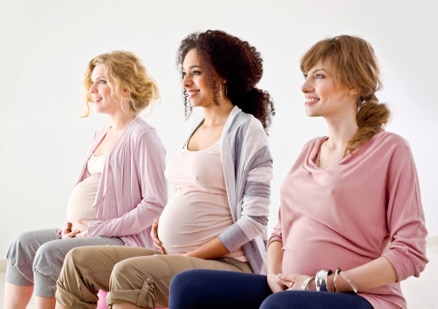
x: 93, y: 88
x: 306, y: 86
x: 186, y: 81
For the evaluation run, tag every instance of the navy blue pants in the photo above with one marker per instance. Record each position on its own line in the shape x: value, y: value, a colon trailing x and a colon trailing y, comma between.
x: 213, y: 289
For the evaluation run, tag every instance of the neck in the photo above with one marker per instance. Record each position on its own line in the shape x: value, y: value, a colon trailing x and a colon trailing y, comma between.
x: 121, y: 121
x: 217, y: 114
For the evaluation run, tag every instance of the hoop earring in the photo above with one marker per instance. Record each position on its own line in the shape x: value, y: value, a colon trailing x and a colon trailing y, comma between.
x: 222, y: 91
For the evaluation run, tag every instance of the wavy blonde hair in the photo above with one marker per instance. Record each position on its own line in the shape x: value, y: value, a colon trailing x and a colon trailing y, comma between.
x: 124, y: 71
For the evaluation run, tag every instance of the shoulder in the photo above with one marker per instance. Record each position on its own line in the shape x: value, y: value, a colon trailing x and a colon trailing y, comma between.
x: 389, y: 140
x: 139, y: 127
x: 140, y: 131
x: 314, y: 142
x: 244, y: 123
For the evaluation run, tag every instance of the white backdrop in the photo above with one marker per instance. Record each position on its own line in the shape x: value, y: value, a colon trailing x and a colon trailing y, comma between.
x: 46, y: 44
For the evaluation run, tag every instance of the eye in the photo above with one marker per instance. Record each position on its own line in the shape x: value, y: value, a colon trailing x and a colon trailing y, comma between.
x: 305, y: 75
x: 102, y: 81
x: 196, y: 72
x: 319, y: 76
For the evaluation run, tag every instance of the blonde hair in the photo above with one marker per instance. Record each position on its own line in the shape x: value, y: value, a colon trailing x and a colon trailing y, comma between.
x: 124, y: 71
x: 352, y: 62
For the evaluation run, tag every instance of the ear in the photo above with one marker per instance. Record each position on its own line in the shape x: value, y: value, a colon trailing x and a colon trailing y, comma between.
x: 353, y: 92
x: 125, y: 92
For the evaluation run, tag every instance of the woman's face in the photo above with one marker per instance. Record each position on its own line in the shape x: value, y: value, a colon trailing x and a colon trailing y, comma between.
x: 196, y: 81
x: 323, y: 95
x: 101, y: 91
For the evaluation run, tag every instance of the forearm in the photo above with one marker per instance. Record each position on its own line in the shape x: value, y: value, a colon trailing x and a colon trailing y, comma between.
x: 275, y: 257
x: 211, y: 250
x: 371, y: 275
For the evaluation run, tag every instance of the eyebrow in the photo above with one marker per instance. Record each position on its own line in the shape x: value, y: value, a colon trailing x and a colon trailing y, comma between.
x: 193, y: 67
x: 97, y: 77
x: 317, y: 70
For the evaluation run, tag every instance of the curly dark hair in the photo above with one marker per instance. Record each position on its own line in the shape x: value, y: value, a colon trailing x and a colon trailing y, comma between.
x: 236, y: 61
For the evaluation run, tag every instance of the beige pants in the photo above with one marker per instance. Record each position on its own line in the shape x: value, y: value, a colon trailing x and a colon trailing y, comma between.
x: 135, y: 275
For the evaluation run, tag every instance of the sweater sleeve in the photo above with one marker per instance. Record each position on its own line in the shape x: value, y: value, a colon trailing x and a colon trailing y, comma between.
x: 406, y: 223
x: 252, y: 188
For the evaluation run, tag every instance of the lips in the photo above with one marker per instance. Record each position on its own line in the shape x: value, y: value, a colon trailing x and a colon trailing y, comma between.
x: 192, y: 93
x: 310, y: 101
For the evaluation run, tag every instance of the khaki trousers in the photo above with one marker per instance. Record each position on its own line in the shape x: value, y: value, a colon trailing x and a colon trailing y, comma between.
x: 135, y: 275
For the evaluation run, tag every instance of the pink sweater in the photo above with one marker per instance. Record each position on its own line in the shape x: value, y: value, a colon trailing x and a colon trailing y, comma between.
x: 133, y: 189
x: 366, y: 206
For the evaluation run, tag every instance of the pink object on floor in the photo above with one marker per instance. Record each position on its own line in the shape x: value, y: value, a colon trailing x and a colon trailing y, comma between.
x: 101, y: 304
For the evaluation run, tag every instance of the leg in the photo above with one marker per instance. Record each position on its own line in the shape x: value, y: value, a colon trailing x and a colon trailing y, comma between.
x: 212, y: 289
x: 310, y: 300
x: 144, y: 281
x: 48, y: 263
x: 16, y: 296
x: 19, y: 272
x: 88, y: 269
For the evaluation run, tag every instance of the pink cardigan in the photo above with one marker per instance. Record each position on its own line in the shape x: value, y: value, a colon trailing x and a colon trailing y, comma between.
x: 366, y: 206
x: 132, y: 190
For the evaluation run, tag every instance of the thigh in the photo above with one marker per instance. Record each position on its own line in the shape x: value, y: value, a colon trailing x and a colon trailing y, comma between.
x: 145, y: 281
x: 94, y: 264
x: 25, y: 245
x: 310, y: 300
x: 201, y: 288
x: 50, y: 256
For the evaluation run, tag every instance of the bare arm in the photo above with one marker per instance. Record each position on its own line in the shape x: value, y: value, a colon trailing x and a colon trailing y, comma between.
x: 210, y: 250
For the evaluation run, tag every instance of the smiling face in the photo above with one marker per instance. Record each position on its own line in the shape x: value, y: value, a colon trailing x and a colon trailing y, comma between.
x: 101, y: 91
x: 196, y: 80
x: 324, y: 96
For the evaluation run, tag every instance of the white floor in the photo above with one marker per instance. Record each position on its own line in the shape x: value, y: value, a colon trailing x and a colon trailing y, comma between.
x: 421, y: 293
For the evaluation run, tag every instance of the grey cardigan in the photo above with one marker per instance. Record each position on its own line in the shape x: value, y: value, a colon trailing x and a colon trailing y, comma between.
x: 247, y: 167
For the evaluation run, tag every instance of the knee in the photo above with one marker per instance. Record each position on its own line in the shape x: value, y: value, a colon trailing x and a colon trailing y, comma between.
x: 21, y: 241
x: 121, y: 271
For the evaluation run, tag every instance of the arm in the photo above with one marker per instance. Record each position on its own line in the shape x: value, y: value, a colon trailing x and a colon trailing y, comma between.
x: 210, y: 250
x: 248, y: 183
x: 275, y: 259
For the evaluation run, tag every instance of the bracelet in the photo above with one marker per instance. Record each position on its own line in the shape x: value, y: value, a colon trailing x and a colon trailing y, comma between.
x: 321, y: 280
x: 350, y: 282
x: 337, y: 271
x: 306, y: 283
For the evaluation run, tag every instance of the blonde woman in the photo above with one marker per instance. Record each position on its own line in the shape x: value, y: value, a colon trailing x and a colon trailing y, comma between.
x: 120, y: 191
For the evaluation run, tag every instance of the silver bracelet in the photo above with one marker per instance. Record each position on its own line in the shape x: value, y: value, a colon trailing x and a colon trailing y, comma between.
x: 350, y: 282
x: 321, y: 283
x: 337, y: 271
x: 306, y: 283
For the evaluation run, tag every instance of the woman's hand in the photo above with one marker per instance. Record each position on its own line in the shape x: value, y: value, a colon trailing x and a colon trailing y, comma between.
x: 282, y: 282
x: 67, y: 232
x: 154, y: 235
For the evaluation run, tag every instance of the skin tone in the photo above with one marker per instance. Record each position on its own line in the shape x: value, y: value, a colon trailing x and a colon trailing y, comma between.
x: 106, y: 102
x: 196, y: 83
x: 324, y: 97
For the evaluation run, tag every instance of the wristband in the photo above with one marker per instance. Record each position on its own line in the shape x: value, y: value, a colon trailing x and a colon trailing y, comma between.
x: 348, y: 279
x: 306, y: 282
x: 321, y: 280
